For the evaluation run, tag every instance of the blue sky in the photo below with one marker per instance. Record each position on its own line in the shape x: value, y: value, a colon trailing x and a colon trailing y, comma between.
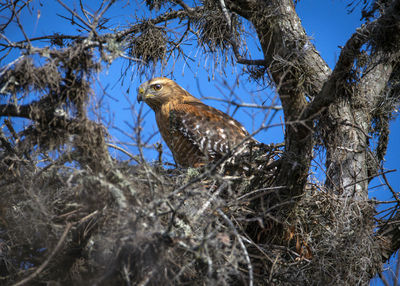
x: 327, y: 22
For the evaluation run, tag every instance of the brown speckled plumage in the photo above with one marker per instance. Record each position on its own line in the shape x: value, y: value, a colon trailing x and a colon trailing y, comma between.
x: 196, y: 133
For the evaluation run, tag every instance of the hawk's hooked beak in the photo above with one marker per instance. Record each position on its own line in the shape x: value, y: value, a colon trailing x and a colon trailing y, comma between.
x: 140, y: 94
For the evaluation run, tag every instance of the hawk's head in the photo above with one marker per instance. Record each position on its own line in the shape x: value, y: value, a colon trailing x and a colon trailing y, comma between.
x: 159, y: 91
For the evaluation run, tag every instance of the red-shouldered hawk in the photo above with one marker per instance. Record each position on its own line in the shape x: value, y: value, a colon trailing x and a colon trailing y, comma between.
x: 195, y: 133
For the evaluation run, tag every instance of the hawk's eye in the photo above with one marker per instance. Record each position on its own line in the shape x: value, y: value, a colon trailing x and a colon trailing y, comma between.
x: 157, y: 86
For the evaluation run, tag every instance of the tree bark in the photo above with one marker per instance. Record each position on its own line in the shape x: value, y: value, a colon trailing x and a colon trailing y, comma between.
x: 299, y: 73
x: 348, y: 141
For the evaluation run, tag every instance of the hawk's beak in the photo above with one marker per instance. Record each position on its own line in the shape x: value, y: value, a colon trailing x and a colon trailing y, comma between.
x: 140, y: 94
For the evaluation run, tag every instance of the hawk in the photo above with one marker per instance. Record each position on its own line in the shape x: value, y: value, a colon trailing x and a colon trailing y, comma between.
x: 195, y: 132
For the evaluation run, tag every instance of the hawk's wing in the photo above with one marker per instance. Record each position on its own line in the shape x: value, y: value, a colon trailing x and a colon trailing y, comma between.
x: 211, y: 131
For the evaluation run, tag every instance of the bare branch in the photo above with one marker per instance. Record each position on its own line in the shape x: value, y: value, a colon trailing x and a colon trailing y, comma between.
x: 135, y: 158
x: 244, y: 104
x: 383, y: 174
x: 20, y: 25
x: 349, y: 53
x: 47, y: 261
x: 235, y: 45
x: 74, y: 13
x: 185, y: 6
x: 24, y: 111
x: 243, y: 247
x: 100, y: 15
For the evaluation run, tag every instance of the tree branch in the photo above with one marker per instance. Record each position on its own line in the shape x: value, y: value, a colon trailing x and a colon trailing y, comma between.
x: 75, y: 14
x: 160, y: 19
x: 297, y: 70
x: 185, y: 6
x: 46, y: 262
x: 348, y: 55
x: 23, y: 111
x: 282, y: 36
x: 244, y: 104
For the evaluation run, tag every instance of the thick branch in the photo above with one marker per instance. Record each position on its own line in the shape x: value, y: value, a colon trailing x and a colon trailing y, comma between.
x: 348, y: 118
x: 297, y: 70
x: 24, y: 111
x: 344, y: 65
x: 348, y: 55
x: 282, y: 37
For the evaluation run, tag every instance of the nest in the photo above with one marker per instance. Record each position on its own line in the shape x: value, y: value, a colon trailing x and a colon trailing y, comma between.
x: 163, y: 227
x: 334, y: 233
x: 150, y: 45
x: 147, y: 225
x: 215, y: 31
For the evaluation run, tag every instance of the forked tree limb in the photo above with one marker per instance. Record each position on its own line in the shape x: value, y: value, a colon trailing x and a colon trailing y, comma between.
x: 283, y: 40
x: 347, y: 58
x: 298, y: 71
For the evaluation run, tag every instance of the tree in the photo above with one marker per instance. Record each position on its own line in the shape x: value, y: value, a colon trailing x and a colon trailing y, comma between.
x: 72, y: 214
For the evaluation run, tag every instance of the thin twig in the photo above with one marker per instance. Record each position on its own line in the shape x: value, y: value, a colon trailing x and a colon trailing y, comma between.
x: 184, y: 6
x: 74, y: 13
x: 371, y: 177
x: 124, y: 151
x: 207, y: 204
x: 244, y: 104
x: 383, y: 174
x: 242, y: 246
x: 133, y: 59
x: 383, y: 278
x: 92, y: 214
x: 10, y: 127
x: 104, y: 10
x: 235, y: 46
x: 46, y: 262
x: 5, y: 68
x: 20, y: 25
x: 84, y: 11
